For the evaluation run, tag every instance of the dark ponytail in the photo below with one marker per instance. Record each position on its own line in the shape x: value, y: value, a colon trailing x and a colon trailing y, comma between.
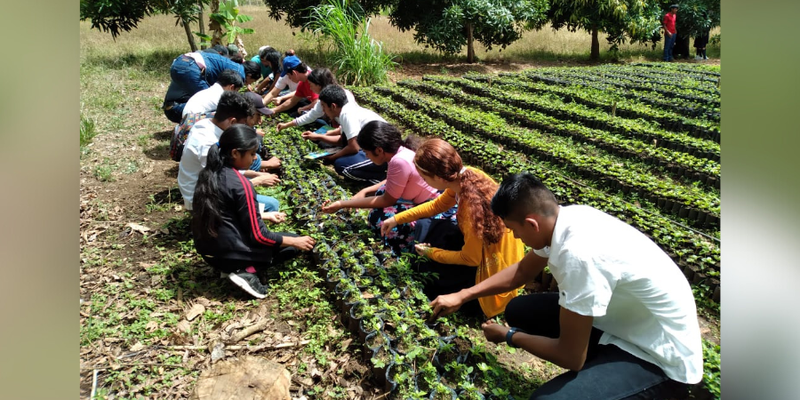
x: 379, y: 134
x: 322, y: 77
x: 207, y: 197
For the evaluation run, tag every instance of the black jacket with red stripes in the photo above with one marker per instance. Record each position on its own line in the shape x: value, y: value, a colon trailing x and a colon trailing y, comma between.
x: 242, y: 234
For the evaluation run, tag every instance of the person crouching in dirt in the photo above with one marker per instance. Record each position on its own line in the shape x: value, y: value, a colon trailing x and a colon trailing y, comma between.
x: 269, y: 162
x: 233, y: 108
x: 479, y: 246
x: 624, y: 321
x: 402, y: 189
x: 227, y: 228
x: 195, y: 71
x: 319, y: 79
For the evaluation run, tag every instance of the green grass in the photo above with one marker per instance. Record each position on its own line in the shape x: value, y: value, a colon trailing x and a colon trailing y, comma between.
x: 356, y: 58
x: 88, y: 131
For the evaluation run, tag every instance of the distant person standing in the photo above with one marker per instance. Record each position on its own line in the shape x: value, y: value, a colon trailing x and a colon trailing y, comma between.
x: 700, y: 43
x: 670, y: 33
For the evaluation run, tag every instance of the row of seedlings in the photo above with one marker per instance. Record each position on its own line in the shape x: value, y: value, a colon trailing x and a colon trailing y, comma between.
x: 695, y: 253
x: 690, y: 75
x: 609, y: 171
x: 591, y: 118
x: 380, y: 301
x: 670, y: 90
x: 706, y: 69
x: 664, y: 79
x: 695, y: 109
x: 606, y: 102
x: 675, y: 164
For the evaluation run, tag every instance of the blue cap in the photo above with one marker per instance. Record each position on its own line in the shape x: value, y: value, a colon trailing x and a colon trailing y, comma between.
x: 289, y: 62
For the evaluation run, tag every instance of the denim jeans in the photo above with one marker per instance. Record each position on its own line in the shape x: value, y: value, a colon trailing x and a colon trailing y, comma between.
x: 609, y: 372
x: 669, y: 43
x: 270, y: 203
x: 256, y: 165
x: 359, y: 168
x: 187, y: 79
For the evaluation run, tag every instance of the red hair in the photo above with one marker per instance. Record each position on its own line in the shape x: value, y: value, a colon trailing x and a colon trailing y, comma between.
x: 435, y: 157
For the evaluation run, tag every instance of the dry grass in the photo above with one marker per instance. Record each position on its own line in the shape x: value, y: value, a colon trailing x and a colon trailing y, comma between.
x: 159, y: 33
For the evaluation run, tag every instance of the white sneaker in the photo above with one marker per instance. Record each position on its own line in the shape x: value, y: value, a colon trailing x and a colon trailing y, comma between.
x: 698, y: 58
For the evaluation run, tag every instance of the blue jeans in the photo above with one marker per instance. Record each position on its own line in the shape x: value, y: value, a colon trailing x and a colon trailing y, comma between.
x: 609, y: 372
x: 359, y: 168
x: 187, y: 79
x: 256, y: 165
x: 669, y: 43
x: 270, y: 203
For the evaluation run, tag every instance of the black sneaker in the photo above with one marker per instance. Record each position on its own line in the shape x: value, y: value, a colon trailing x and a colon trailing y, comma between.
x: 249, y: 282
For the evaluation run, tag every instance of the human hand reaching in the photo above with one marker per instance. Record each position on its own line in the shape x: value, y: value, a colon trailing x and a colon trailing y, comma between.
x: 305, y: 243
x: 275, y: 217
x: 387, y: 226
x: 331, y: 206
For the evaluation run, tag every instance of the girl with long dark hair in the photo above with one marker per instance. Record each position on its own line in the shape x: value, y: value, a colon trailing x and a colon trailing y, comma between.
x: 402, y: 189
x: 228, y: 231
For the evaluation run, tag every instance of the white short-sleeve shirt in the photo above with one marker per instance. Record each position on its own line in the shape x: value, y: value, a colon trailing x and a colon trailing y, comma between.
x: 353, y: 117
x: 317, y: 112
x: 284, y: 82
x: 638, y: 297
x: 204, y: 101
x: 201, y: 137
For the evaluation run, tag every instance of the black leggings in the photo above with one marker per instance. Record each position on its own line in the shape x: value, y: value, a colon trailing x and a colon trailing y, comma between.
x: 259, y: 261
x: 445, y: 234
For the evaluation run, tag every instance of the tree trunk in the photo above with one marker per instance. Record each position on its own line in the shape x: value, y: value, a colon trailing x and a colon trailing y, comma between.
x: 213, y: 26
x: 200, y: 19
x: 240, y: 45
x: 470, y: 44
x: 189, y: 35
x: 595, y: 55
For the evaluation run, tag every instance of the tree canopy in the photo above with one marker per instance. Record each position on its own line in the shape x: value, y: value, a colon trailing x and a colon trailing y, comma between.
x: 696, y: 16
x: 117, y: 16
x: 297, y: 12
x: 620, y: 20
x: 448, y: 26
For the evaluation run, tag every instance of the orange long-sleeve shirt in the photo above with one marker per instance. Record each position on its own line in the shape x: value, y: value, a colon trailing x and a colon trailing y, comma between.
x: 488, y: 258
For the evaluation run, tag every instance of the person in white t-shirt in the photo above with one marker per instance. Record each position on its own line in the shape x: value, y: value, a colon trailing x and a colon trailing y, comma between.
x: 318, y: 79
x: 350, y: 161
x: 233, y: 108
x: 206, y: 100
x: 624, y: 321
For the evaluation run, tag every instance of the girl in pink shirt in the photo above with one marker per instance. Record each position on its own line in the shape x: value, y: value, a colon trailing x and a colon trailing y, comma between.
x: 402, y: 189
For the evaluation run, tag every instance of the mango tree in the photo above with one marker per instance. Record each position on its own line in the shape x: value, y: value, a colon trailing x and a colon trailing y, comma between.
x: 117, y: 16
x: 449, y: 25
x: 621, y: 20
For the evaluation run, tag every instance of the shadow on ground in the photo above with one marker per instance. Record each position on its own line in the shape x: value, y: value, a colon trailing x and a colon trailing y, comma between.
x: 156, y: 61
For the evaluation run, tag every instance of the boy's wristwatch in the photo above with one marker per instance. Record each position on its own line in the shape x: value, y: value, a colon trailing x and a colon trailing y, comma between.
x: 511, y: 333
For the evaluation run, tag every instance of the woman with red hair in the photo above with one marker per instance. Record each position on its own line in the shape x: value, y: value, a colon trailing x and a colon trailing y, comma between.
x: 488, y: 245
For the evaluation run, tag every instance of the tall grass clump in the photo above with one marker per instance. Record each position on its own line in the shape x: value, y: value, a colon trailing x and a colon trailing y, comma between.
x: 88, y: 131
x: 357, y: 58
